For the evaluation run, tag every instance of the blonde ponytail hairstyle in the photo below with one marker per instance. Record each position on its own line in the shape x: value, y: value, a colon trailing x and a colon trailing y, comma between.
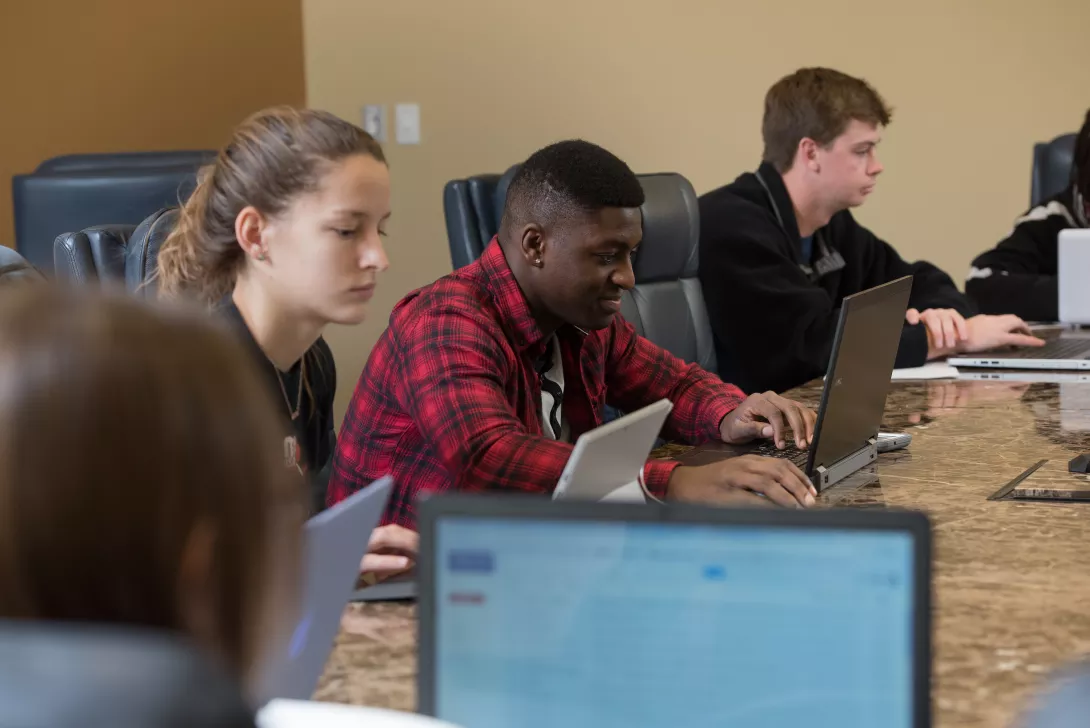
x: 274, y: 156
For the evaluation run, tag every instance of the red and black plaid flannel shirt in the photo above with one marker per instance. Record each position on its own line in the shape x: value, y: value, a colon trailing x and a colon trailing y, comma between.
x: 450, y: 398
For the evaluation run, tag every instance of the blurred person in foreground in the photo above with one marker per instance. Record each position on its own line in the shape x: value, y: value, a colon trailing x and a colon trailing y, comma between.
x: 141, y: 476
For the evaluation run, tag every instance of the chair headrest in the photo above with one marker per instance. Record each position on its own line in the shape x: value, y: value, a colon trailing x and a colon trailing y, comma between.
x: 671, y: 229
x: 501, y: 192
x: 142, y: 253
x: 671, y: 226
x: 95, y: 252
x: 14, y: 267
x: 126, y: 160
x: 67, y: 675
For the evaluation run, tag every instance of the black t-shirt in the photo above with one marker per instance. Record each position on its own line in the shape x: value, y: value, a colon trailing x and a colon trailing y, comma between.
x: 312, y: 429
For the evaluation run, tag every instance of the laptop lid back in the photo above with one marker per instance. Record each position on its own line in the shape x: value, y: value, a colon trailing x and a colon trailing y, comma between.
x: 860, y: 370
x: 607, y: 460
x: 334, y: 543
x: 1072, y: 265
x: 560, y: 613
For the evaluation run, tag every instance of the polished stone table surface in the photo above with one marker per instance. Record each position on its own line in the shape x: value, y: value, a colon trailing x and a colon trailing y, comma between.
x: 1012, y: 578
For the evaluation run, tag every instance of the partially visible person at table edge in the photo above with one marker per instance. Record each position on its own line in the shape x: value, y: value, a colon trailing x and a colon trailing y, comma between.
x: 283, y: 236
x: 484, y: 379
x: 1019, y: 275
x: 142, y: 483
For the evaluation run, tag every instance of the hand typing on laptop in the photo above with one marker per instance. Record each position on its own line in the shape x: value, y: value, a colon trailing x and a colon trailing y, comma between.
x: 751, y: 479
x: 744, y: 480
x: 391, y: 551
x: 949, y: 333
x: 767, y: 416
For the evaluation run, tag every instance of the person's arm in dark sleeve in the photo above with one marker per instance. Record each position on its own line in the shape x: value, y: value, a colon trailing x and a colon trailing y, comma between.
x: 931, y: 288
x: 1019, y: 274
x: 778, y: 326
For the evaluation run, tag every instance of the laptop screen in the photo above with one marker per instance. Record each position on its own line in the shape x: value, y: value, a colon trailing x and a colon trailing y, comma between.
x: 588, y: 623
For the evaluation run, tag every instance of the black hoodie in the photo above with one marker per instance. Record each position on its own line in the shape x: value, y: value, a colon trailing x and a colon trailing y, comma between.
x: 773, y: 314
x: 1019, y: 274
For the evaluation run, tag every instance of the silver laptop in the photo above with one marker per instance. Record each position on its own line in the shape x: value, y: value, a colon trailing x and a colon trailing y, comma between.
x: 334, y: 542
x: 1073, y: 265
x: 1068, y: 351
x: 606, y: 461
x: 541, y: 614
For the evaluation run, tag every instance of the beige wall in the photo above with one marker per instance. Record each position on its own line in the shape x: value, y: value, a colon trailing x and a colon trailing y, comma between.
x: 678, y: 87
x: 132, y: 75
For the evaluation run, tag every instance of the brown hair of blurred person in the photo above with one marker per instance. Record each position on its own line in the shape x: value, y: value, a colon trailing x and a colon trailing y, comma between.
x: 141, y: 478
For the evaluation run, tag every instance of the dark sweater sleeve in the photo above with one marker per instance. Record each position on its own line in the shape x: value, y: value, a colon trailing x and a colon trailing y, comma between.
x: 931, y: 287
x: 1019, y: 274
x: 774, y: 328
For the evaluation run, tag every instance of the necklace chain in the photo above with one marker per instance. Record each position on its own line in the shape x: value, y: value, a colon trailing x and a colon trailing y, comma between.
x: 293, y: 411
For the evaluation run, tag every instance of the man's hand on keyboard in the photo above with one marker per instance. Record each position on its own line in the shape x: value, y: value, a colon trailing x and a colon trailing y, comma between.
x: 744, y: 480
x: 986, y: 332
x: 769, y: 415
x: 946, y: 328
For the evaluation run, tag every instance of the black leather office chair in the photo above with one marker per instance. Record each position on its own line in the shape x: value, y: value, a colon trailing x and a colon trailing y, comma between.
x: 126, y: 160
x: 1051, y: 168
x: 473, y: 207
x: 15, y: 268
x: 56, y: 675
x: 115, y: 255
x: 667, y: 304
x: 76, y: 191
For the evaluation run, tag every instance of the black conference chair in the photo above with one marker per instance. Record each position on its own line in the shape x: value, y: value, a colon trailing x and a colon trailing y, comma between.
x: 1052, y: 163
x: 667, y: 304
x: 15, y: 268
x: 115, y: 255
x: 473, y: 207
x: 55, y: 675
x: 76, y: 191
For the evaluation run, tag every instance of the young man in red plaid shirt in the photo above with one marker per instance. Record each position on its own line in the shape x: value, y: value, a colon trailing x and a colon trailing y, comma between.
x: 483, y: 379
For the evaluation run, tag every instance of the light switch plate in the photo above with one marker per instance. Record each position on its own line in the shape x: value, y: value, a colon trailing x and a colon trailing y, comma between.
x: 374, y: 121
x: 407, y: 123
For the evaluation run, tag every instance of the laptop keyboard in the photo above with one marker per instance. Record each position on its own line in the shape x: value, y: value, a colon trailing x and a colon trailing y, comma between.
x: 792, y: 453
x: 1054, y: 349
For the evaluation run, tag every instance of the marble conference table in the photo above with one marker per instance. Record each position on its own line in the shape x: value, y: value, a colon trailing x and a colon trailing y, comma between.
x: 1011, y: 576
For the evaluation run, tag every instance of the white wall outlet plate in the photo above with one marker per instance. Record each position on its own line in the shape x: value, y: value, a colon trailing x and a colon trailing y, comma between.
x: 374, y: 121
x: 407, y: 123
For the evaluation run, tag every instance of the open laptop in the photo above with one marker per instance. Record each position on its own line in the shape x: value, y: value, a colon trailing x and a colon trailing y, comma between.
x: 854, y: 398
x: 1069, y: 351
x: 1072, y: 264
x: 335, y: 541
x: 607, y: 461
x: 561, y: 613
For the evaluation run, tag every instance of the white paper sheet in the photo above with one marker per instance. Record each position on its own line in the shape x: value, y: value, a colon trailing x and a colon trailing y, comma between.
x: 932, y: 370
x: 315, y: 714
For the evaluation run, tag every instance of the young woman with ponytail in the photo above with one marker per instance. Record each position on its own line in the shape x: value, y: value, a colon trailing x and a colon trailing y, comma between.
x: 283, y: 236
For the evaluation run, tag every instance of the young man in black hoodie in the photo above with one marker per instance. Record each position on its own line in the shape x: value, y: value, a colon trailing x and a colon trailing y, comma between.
x: 779, y: 249
x: 1019, y: 275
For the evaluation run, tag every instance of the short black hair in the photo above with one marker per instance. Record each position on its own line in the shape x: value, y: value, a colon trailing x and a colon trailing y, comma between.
x: 1080, y: 172
x: 573, y: 176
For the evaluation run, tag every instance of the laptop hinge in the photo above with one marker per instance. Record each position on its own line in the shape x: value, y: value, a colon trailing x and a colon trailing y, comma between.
x: 827, y: 476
